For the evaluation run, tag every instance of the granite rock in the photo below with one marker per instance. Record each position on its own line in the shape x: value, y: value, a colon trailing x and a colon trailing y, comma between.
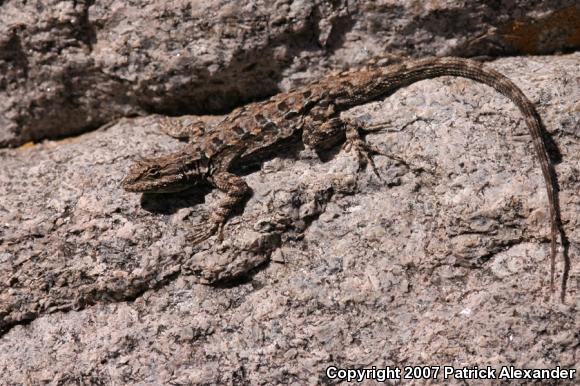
x: 71, y: 66
x: 442, y: 262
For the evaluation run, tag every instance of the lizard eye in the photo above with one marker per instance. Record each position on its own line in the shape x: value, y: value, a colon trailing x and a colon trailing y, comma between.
x: 153, y: 172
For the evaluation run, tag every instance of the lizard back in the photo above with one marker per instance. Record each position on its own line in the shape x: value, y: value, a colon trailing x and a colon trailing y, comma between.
x: 259, y: 128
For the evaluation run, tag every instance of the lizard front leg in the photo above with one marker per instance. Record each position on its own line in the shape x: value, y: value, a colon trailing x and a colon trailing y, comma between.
x: 182, y: 128
x: 188, y: 127
x: 235, y: 189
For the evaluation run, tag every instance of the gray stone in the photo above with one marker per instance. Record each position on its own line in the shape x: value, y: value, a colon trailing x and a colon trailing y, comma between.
x: 325, y: 266
x: 71, y: 66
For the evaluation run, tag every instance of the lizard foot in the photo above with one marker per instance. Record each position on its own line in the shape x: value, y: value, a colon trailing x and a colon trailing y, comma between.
x: 363, y: 152
x: 182, y: 128
x: 204, y: 231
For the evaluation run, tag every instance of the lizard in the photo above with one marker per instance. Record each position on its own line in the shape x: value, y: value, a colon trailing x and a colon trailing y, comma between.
x: 311, y: 114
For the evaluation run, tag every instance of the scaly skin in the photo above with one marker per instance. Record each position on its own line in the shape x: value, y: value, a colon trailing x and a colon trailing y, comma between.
x: 311, y: 114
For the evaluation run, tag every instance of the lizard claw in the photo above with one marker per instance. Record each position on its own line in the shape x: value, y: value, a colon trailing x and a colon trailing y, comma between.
x: 220, y: 232
x: 202, y: 232
x: 363, y: 151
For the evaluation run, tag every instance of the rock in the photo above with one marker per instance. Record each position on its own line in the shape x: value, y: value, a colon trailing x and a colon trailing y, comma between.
x: 67, y: 67
x: 444, y: 262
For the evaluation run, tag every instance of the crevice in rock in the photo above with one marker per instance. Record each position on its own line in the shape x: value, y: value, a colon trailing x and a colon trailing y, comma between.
x: 130, y: 294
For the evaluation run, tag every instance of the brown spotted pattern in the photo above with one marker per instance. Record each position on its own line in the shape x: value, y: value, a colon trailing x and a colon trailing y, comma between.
x: 312, y: 113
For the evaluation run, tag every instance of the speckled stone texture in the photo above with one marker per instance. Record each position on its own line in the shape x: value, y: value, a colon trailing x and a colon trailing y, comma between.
x: 71, y: 66
x: 443, y: 262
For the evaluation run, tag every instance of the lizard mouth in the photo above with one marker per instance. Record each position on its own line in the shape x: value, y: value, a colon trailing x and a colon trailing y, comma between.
x: 174, y: 188
x: 168, y: 184
x: 131, y: 185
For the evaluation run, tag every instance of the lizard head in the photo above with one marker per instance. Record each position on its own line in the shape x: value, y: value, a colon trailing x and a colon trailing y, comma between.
x: 166, y: 174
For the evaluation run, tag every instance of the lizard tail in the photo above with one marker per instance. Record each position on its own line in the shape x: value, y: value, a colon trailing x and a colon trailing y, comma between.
x: 414, y: 71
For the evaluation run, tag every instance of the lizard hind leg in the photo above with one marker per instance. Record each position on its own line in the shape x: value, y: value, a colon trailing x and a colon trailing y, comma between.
x: 362, y: 149
x: 330, y: 132
x: 236, y: 190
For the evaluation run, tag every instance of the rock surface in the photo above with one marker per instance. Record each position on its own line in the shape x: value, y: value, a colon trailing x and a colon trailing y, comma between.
x: 443, y: 262
x: 72, y: 66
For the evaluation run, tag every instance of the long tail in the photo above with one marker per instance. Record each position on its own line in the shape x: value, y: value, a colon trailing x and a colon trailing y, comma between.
x: 398, y: 76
